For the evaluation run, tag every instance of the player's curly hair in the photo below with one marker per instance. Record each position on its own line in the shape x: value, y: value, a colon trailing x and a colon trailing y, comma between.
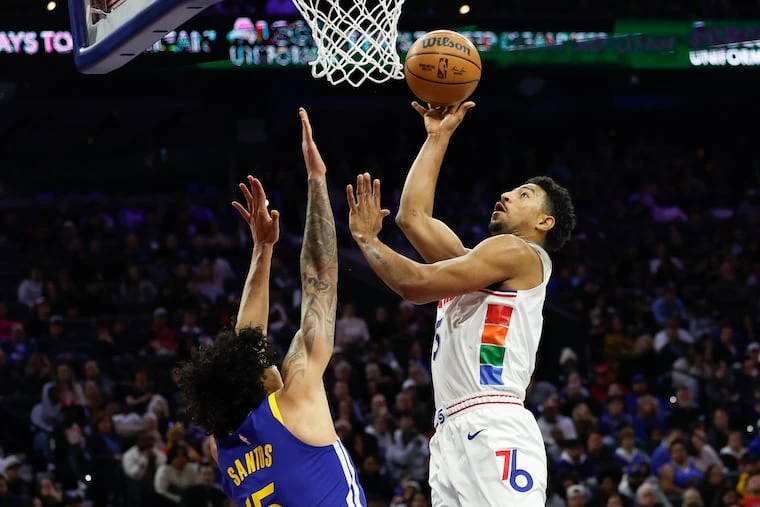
x: 560, y: 206
x: 221, y: 383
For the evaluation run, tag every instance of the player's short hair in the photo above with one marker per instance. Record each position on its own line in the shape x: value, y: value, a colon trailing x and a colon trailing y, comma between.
x: 560, y: 206
x: 221, y: 383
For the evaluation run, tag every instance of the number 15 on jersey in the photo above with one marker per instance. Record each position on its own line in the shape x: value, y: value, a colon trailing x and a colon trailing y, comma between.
x: 257, y: 499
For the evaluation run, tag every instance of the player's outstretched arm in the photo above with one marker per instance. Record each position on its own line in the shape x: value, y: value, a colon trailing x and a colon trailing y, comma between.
x: 312, y: 347
x: 493, y: 261
x: 433, y: 239
x: 265, y: 231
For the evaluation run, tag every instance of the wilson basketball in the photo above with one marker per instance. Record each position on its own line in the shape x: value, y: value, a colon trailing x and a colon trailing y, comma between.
x: 442, y: 68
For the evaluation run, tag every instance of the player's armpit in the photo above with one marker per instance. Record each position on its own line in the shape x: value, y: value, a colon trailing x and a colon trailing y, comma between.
x: 493, y: 261
x: 432, y: 239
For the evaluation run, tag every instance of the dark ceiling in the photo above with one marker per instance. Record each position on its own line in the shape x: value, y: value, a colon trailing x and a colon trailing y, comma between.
x: 48, y: 105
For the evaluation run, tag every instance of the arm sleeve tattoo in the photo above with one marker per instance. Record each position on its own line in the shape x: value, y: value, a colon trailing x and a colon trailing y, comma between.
x: 319, y: 280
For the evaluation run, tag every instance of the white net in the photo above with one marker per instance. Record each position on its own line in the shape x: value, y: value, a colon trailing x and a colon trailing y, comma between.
x: 355, y: 39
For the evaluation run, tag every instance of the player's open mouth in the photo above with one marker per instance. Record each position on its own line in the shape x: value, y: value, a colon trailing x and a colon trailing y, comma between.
x: 499, y: 207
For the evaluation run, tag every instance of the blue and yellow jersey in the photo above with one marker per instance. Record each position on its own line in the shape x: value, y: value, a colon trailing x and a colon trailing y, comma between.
x: 264, y: 465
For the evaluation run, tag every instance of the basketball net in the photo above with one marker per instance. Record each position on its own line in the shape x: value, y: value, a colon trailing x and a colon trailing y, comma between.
x: 354, y: 42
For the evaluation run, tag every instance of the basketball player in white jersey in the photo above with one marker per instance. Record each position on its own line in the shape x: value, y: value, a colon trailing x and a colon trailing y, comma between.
x: 487, y: 449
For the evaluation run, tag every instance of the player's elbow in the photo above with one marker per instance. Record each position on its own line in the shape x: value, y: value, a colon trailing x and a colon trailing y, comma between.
x: 414, y: 293
x: 403, y: 220
x: 409, y: 221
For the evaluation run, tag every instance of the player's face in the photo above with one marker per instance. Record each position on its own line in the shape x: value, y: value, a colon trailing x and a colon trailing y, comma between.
x: 518, y: 211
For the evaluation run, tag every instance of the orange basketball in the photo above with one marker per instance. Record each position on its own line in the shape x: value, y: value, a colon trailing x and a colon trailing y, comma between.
x: 442, y: 68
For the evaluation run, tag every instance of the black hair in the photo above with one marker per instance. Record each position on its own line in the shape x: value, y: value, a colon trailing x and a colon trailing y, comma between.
x: 560, y: 206
x: 221, y: 383
x: 612, y: 471
x: 175, y: 451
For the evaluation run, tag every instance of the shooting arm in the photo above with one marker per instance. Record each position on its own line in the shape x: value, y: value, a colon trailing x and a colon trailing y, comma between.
x: 311, y: 348
x: 433, y: 239
x: 493, y: 261
x: 254, y: 303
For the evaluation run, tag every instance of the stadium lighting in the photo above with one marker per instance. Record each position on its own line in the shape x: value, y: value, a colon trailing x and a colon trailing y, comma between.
x: 464, y: 9
x: 51, y: 5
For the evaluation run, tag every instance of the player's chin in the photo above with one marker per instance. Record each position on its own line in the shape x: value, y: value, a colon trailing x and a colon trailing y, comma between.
x: 496, y: 226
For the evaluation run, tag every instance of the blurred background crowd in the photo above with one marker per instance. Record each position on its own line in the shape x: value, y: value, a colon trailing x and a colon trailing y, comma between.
x: 647, y: 390
x: 120, y: 252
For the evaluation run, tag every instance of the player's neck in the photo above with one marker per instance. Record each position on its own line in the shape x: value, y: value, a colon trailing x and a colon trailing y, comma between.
x: 530, y: 237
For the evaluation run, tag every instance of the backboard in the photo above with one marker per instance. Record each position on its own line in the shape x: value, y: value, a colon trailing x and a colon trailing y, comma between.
x: 109, y: 33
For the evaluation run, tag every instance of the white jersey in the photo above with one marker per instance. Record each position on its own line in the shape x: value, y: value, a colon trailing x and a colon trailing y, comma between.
x: 487, y: 341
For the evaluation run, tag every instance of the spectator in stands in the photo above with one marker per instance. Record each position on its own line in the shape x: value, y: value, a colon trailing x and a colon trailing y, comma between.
x: 140, y: 393
x: 752, y: 492
x: 16, y: 484
x: 668, y: 306
x: 574, y: 460
x: 30, y: 288
x: 104, y: 382
x: 685, y: 412
x: 204, y: 493
x: 350, y: 330
x: 141, y: 461
x: 701, y: 451
x: 577, y: 496
x: 175, y: 476
x: 733, y: 453
x: 175, y: 437
x: 408, y: 454
x: 49, y: 495
x: 105, y: 453
x: 692, y: 498
x: 374, y: 481
x: 7, y: 498
x: 680, y: 472
x: 555, y: 427
x: 719, y: 429
x: 649, y: 416
x: 750, y: 466
x: 584, y: 421
x: 713, y: 483
x: 627, y: 454
x: 136, y: 289
x: 163, y: 341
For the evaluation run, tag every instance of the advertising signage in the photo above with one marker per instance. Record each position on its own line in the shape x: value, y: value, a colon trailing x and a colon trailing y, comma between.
x: 249, y: 43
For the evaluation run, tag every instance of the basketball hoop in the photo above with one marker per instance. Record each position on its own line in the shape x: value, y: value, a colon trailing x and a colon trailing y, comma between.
x: 355, y: 42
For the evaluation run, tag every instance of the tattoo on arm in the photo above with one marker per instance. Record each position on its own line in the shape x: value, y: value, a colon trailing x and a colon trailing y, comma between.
x: 374, y: 252
x: 319, y: 280
x: 294, y: 364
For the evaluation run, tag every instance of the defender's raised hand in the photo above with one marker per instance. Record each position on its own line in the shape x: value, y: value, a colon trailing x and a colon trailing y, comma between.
x: 315, y: 166
x: 443, y: 120
x: 366, y: 216
x: 265, y: 225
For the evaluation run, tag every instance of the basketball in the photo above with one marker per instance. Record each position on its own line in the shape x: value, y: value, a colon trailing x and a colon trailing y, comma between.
x: 442, y: 68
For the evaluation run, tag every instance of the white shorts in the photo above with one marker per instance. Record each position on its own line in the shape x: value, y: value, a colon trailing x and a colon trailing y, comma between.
x: 491, y: 454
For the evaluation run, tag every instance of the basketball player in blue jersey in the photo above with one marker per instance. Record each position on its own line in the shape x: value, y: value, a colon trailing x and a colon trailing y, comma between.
x: 487, y: 449
x: 273, y: 438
